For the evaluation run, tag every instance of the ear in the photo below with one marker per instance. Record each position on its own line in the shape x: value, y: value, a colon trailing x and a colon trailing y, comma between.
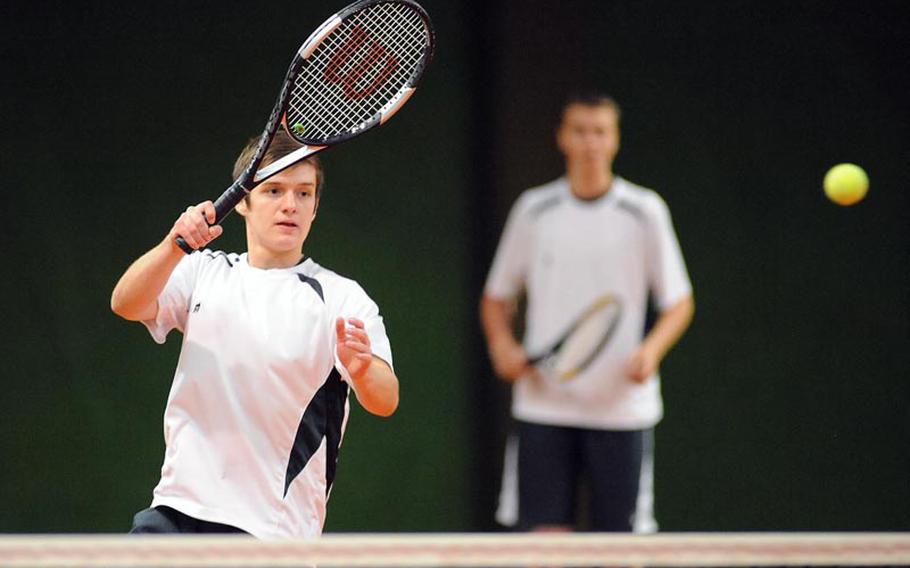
x: 558, y: 138
x: 242, y: 208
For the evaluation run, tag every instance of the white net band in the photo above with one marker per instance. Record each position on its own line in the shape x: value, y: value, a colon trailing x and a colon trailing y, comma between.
x: 436, y: 550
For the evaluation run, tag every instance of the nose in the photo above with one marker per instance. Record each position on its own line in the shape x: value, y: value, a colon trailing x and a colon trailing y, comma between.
x: 289, y: 202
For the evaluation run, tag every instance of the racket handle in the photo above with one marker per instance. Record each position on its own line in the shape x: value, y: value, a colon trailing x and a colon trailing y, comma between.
x: 223, y: 207
x: 184, y: 246
x: 228, y: 200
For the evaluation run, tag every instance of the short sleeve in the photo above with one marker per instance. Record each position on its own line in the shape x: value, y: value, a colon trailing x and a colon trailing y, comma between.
x: 174, y: 300
x: 667, y: 274
x: 509, y: 270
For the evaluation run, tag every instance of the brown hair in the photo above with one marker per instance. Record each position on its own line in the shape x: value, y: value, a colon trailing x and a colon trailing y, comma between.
x: 590, y: 99
x: 282, y: 145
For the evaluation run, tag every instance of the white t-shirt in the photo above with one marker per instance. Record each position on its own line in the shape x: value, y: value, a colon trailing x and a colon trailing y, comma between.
x: 566, y: 253
x: 259, y: 401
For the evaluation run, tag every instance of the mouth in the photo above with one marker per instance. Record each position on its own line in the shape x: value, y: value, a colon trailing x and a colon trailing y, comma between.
x: 287, y: 224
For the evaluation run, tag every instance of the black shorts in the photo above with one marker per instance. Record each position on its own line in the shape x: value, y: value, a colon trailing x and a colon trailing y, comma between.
x: 552, y: 460
x: 163, y: 520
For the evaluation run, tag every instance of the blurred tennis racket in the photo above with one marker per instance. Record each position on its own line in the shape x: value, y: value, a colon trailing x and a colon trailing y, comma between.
x: 353, y: 73
x: 585, y: 339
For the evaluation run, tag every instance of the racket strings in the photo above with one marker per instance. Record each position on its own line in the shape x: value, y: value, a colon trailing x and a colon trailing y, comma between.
x: 404, y: 38
x: 360, y: 110
x: 587, y: 339
x: 358, y: 71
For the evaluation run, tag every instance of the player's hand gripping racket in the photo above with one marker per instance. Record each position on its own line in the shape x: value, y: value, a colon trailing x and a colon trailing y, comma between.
x: 584, y: 340
x: 353, y: 73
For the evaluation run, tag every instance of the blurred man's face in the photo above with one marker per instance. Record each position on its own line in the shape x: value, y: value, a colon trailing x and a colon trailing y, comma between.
x: 589, y: 135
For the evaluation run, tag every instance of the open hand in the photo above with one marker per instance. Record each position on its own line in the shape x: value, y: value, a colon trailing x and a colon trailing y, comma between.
x: 353, y: 349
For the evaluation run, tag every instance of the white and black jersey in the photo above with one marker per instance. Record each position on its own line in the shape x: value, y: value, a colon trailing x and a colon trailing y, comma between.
x: 567, y: 252
x: 259, y: 402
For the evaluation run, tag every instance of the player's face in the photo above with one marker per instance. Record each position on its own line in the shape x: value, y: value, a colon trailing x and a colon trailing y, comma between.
x: 589, y: 135
x: 281, y: 210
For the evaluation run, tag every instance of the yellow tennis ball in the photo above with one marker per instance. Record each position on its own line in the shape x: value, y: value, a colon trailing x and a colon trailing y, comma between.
x: 846, y: 184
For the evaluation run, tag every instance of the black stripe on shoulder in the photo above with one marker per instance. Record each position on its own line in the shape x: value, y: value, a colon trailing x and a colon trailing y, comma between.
x: 220, y: 254
x: 631, y: 209
x: 538, y: 209
x: 322, y: 419
x: 314, y: 283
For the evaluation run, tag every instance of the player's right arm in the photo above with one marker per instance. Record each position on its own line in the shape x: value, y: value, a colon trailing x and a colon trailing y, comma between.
x: 135, y: 296
x: 504, y: 282
x: 507, y: 355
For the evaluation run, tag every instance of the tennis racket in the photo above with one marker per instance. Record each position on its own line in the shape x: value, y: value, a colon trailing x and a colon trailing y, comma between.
x: 354, y: 72
x: 585, y: 339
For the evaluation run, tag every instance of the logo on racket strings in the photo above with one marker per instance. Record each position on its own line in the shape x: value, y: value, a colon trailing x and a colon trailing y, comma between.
x: 375, y: 55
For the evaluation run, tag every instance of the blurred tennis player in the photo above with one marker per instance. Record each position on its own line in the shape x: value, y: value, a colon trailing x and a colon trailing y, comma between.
x: 272, y: 344
x: 589, y: 243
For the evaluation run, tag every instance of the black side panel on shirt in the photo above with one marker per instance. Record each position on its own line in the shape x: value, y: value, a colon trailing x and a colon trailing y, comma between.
x: 336, y: 399
x: 323, y: 418
x: 314, y: 283
x: 651, y: 315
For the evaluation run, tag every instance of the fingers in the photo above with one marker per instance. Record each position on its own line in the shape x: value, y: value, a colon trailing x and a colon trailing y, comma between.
x: 339, y: 329
x: 510, y: 361
x: 195, y: 225
x: 640, y: 368
x: 353, y: 346
x: 208, y: 211
x: 351, y: 334
x: 633, y: 367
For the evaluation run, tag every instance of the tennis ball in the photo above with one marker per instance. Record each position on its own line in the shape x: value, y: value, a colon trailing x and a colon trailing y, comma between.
x: 299, y: 128
x: 846, y: 184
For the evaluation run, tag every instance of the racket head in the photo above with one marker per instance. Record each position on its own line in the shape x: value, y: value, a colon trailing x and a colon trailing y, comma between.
x: 356, y: 70
x: 584, y: 341
x: 353, y: 73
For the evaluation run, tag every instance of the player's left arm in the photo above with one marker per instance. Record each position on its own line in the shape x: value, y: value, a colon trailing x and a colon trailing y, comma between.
x: 374, y: 381
x: 669, y: 327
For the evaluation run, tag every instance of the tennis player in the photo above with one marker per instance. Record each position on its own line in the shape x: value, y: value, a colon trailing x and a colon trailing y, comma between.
x: 585, y: 235
x: 272, y: 345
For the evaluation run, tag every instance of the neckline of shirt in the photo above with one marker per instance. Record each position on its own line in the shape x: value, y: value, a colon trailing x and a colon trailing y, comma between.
x: 245, y: 262
x: 608, y: 197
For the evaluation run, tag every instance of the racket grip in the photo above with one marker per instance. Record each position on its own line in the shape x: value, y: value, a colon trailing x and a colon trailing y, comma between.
x: 536, y: 359
x: 184, y: 246
x: 223, y: 207
x: 228, y: 200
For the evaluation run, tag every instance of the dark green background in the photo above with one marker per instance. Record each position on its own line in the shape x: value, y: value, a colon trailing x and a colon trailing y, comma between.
x: 787, y: 402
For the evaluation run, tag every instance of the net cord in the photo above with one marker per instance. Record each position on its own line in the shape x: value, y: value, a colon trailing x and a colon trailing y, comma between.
x: 437, y: 550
